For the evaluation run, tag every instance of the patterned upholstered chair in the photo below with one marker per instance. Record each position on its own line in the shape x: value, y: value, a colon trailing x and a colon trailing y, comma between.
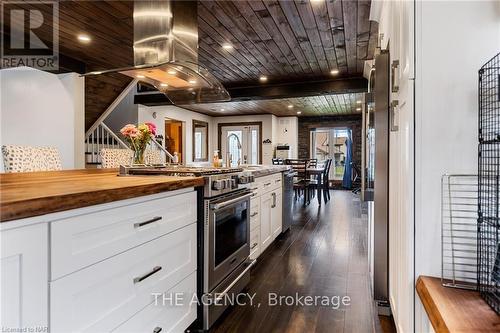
x: 152, y: 157
x: 113, y: 158
x: 29, y: 158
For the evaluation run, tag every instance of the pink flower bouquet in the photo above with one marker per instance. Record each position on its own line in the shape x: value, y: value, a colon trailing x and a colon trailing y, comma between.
x: 138, y: 137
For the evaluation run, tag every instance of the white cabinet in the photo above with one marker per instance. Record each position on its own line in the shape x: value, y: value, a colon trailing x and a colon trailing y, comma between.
x: 82, y: 240
x: 107, y: 262
x: 266, y: 231
x: 24, y: 276
x: 104, y: 295
x: 254, y: 228
x: 268, y: 192
x: 276, y: 212
x: 166, y: 316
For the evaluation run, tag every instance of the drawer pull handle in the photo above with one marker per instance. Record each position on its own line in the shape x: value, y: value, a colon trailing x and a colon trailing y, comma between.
x: 145, y: 276
x: 142, y: 224
x: 277, y: 180
x: 267, y: 184
x: 254, y: 214
x: 157, y: 329
x: 255, y: 188
x: 253, y: 246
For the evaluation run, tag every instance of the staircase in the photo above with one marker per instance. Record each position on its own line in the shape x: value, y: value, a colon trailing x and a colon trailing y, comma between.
x: 100, y: 136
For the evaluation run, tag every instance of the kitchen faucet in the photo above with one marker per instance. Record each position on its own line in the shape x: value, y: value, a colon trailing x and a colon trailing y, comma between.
x: 228, y: 154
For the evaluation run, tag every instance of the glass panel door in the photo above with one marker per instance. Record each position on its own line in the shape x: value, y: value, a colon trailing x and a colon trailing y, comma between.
x: 242, y: 142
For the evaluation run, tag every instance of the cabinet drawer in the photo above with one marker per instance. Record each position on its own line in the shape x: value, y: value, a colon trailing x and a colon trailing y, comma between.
x: 166, y: 317
x: 254, y: 222
x: 267, y: 184
x: 254, y: 242
x: 277, y: 182
x: 101, y: 297
x: 83, y: 240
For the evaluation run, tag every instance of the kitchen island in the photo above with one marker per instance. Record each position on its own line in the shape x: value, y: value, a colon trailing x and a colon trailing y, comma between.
x: 86, y: 250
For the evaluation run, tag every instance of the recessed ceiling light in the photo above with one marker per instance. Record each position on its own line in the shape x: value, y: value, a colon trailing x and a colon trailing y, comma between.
x: 163, y: 85
x: 171, y: 72
x: 227, y: 46
x: 358, y: 102
x: 290, y: 106
x: 263, y: 78
x: 334, y: 71
x: 83, y: 38
x: 192, y: 81
x: 358, y: 109
x: 222, y: 110
x: 140, y: 76
x: 298, y: 112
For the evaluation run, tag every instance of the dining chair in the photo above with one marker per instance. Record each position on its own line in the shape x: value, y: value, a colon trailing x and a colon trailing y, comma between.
x: 113, y: 157
x: 300, y: 182
x: 29, y: 158
x: 322, y: 183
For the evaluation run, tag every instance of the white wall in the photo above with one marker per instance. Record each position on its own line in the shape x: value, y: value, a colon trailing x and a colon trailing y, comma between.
x: 43, y: 109
x: 271, y: 128
x: 269, y: 131
x: 177, y: 113
x: 453, y: 40
x: 287, y: 131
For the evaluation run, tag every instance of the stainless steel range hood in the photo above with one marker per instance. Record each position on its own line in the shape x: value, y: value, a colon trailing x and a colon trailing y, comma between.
x: 166, y: 53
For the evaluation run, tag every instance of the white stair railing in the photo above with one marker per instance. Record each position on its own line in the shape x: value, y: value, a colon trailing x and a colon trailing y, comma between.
x: 100, y: 137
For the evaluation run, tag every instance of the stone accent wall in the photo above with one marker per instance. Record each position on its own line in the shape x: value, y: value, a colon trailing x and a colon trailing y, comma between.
x: 306, y: 124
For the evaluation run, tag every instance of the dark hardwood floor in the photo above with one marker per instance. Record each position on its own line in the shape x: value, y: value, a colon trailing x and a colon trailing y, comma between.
x: 324, y: 253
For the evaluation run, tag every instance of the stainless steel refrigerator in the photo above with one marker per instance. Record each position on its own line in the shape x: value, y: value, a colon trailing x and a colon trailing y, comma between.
x: 376, y: 177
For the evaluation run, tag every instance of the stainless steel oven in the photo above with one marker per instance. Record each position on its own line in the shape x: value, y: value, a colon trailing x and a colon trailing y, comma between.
x: 227, y: 247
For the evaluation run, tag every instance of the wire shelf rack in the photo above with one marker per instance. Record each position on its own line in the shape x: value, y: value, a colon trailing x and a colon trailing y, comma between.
x: 459, y: 195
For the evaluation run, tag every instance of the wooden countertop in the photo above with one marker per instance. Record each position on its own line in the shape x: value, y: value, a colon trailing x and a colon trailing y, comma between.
x: 455, y: 310
x: 37, y: 193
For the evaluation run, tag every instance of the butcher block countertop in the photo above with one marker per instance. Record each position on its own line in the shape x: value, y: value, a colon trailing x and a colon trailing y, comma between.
x: 31, y: 194
x: 455, y: 310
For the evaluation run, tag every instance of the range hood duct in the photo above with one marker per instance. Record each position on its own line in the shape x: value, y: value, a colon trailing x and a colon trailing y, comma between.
x: 166, y: 53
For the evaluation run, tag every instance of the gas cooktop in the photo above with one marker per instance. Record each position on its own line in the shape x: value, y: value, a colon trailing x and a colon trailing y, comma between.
x: 174, y: 170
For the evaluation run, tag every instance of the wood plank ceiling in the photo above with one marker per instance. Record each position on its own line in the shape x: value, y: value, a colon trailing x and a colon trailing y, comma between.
x: 323, y: 105
x: 287, y: 41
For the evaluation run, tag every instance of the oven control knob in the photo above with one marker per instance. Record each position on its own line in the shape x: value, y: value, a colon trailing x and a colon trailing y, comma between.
x: 217, y: 185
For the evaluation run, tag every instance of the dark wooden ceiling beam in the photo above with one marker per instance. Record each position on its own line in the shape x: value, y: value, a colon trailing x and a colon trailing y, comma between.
x: 301, y: 89
x: 276, y: 91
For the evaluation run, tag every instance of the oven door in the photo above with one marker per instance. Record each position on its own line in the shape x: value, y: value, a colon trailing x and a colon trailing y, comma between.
x: 228, y: 236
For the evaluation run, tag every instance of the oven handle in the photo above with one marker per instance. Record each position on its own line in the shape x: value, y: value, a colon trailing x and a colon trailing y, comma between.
x: 224, y: 293
x: 230, y: 202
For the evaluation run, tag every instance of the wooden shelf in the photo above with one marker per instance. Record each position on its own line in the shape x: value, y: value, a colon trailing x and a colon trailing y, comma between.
x: 455, y: 310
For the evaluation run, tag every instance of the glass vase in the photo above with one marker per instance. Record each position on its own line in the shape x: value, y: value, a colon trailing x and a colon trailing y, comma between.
x: 139, y: 156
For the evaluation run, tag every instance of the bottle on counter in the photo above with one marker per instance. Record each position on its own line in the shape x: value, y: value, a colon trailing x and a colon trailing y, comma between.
x: 176, y: 157
x: 215, y: 159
